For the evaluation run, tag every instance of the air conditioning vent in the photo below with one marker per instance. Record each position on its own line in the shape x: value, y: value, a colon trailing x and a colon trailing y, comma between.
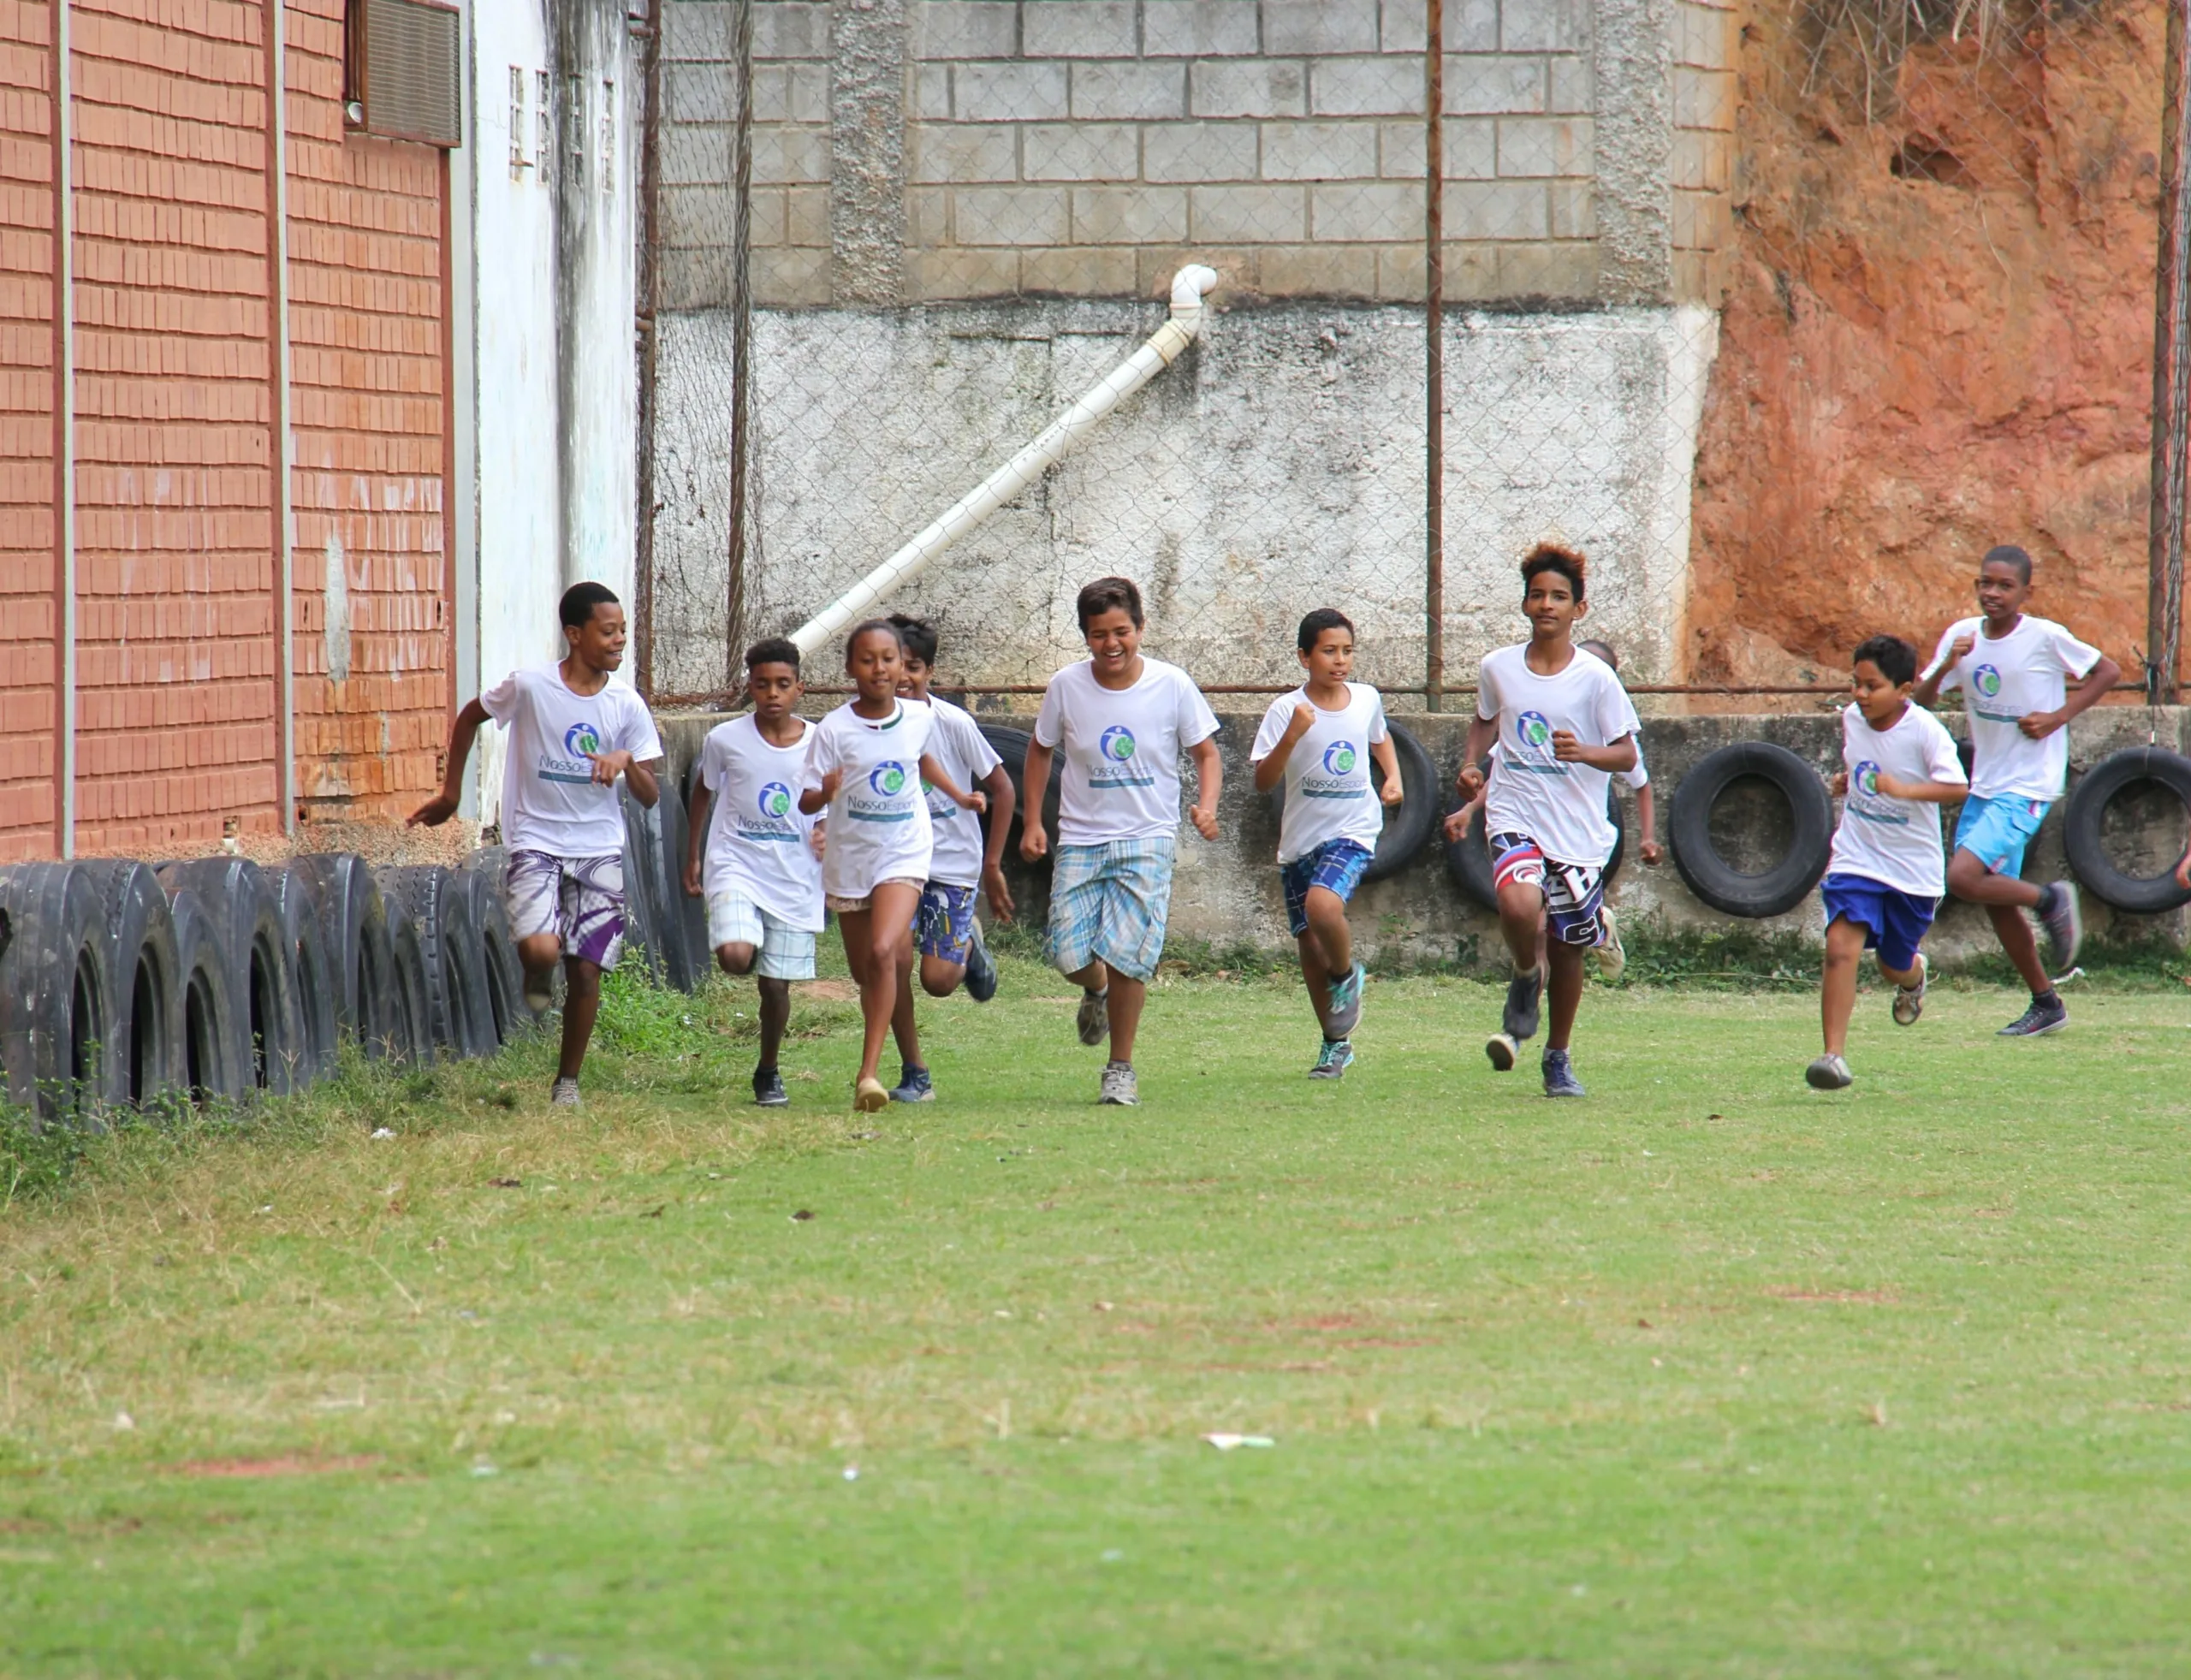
x: 405, y: 83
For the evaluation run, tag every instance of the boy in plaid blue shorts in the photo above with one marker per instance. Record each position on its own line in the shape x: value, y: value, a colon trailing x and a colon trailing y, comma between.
x: 1122, y: 722
x: 1317, y: 743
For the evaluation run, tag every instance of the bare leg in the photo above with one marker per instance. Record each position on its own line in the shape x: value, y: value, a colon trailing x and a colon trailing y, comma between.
x: 1845, y: 951
x: 735, y: 959
x: 581, y: 1003
x: 540, y: 952
x: 1521, y: 914
x: 938, y: 979
x: 775, y: 1017
x: 1123, y: 1008
x: 1327, y: 927
x: 903, y: 1026
x: 1317, y: 978
x: 872, y: 939
x: 1565, y: 964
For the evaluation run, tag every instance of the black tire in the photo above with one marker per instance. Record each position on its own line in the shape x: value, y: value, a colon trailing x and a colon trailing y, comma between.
x: 1406, y: 831
x: 683, y: 944
x: 262, y: 965
x: 460, y: 1016
x: 643, y: 896
x: 145, y: 1061
x: 213, y: 1050
x: 57, y: 1015
x: 484, y: 872
x: 316, y: 979
x: 1011, y: 745
x: 1468, y: 861
x: 1710, y: 875
x: 2098, y: 788
x: 406, y: 1029
x: 353, y: 932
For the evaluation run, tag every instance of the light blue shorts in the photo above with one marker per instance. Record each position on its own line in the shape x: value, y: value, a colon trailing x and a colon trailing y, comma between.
x: 1996, y: 830
x: 1109, y: 901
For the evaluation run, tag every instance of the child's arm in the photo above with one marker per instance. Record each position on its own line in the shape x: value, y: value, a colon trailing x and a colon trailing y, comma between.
x: 1615, y: 755
x: 1647, y: 817
x: 1924, y: 792
x: 1928, y: 682
x: 2103, y: 676
x: 932, y: 774
x: 1034, y: 838
x: 638, y: 777
x: 1387, y: 759
x: 1270, y: 769
x: 1457, y: 823
x: 696, y: 831
x: 811, y: 800
x: 1002, y: 800
x: 1209, y: 776
x: 1469, y: 783
x: 442, y: 807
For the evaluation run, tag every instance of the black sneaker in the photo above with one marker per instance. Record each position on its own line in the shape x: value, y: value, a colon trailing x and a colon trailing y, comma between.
x: 768, y: 1090
x: 981, y: 970
x: 1559, y: 1079
x: 2064, y: 923
x: 1523, y: 992
x: 2039, y: 1020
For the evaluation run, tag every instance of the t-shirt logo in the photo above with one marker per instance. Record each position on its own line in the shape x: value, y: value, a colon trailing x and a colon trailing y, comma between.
x: 1333, y: 777
x: 1535, y: 730
x: 774, y: 805
x: 1988, y: 681
x: 580, y: 741
x: 1339, y: 759
x: 774, y: 800
x: 1868, y: 778
x: 1115, y: 748
x: 880, y: 797
x: 1866, y: 802
x: 1117, y: 744
x: 887, y: 778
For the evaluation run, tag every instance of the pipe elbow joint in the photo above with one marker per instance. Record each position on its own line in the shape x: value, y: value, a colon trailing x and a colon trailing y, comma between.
x: 1189, y: 287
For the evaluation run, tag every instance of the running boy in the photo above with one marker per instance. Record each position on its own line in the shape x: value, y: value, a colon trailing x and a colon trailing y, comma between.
x: 2013, y: 671
x: 866, y: 762
x: 1564, y: 727
x: 1883, y: 881
x: 1317, y: 742
x: 573, y: 732
x: 762, y: 854
x: 949, y: 939
x: 1123, y: 720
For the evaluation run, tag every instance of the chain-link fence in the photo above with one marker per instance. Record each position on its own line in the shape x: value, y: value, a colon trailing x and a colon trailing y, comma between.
x: 1781, y: 319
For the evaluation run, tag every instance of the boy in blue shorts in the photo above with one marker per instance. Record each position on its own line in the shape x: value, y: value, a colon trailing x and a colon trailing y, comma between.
x: 2013, y: 671
x: 949, y: 938
x: 1317, y: 742
x: 1885, y: 878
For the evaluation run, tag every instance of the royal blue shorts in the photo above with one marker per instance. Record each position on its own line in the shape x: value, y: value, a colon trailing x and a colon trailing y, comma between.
x: 1336, y: 866
x: 1996, y: 829
x: 1893, y: 920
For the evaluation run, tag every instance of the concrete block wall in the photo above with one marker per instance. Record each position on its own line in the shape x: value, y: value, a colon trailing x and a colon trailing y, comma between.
x: 1705, y: 35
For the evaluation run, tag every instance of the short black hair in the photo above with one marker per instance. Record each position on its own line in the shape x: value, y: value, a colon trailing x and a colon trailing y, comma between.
x: 1598, y: 649
x: 774, y: 650
x: 580, y: 599
x: 1895, y: 659
x: 1552, y: 557
x: 873, y: 627
x: 1315, y: 625
x: 916, y: 636
x: 1108, y: 595
x: 2008, y: 553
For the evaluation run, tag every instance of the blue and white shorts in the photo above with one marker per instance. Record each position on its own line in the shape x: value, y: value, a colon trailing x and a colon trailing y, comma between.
x: 1996, y: 829
x: 1336, y: 866
x: 944, y: 923
x: 780, y: 952
x: 1574, y: 894
x: 1108, y: 902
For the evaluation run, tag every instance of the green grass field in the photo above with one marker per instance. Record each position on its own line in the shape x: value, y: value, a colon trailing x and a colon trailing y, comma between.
x: 1708, y: 1375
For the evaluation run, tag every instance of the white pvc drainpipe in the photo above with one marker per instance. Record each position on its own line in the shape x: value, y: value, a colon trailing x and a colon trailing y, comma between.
x: 1055, y: 442
x: 64, y: 309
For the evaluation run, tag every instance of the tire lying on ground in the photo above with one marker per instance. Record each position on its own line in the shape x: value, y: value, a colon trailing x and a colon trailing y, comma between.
x: 460, y: 1017
x: 262, y: 965
x: 1467, y: 861
x: 313, y: 971
x: 213, y: 1050
x: 1710, y: 876
x: 1407, y: 829
x: 2083, y: 821
x: 56, y: 991
x: 1011, y: 745
x: 353, y: 931
x: 144, y: 1057
x: 483, y: 873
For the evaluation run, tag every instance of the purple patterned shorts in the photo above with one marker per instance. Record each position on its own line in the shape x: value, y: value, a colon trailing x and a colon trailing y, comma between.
x: 579, y: 900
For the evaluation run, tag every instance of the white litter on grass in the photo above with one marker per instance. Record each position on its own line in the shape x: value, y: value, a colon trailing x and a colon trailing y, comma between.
x: 122, y: 1420
x: 1225, y: 1443
x: 484, y: 1470
x: 852, y: 1473
x: 382, y: 1131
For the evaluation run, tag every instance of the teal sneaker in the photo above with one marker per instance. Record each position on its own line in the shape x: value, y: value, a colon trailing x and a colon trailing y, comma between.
x: 1333, y: 1059
x: 1346, y: 1003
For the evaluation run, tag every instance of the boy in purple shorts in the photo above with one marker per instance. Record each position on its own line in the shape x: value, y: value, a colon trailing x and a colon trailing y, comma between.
x: 1317, y: 742
x: 2013, y: 671
x: 1885, y: 878
x: 573, y: 732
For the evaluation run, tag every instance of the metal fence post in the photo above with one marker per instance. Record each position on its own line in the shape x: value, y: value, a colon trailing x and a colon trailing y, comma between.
x: 2171, y: 444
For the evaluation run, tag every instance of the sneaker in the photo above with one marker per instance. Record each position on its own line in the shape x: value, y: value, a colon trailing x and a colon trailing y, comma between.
x: 1910, y: 1000
x: 540, y: 991
x: 1346, y: 1003
x: 1830, y: 1073
x: 1559, y: 1079
x: 981, y: 970
x: 913, y: 1085
x: 1333, y: 1059
x: 768, y: 1090
x: 1613, y: 955
x: 1118, y: 1086
x: 564, y: 1094
x: 1093, y: 1021
x: 1503, y: 1051
x: 868, y: 1096
x: 2037, y: 1021
x: 1523, y: 992
x: 2065, y: 923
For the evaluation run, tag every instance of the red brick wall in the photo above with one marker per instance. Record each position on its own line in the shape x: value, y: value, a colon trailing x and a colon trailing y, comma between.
x: 28, y: 749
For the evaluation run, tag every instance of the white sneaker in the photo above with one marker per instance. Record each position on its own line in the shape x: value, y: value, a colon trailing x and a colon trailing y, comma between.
x: 1612, y: 956
x: 1828, y: 1073
x: 564, y: 1094
x: 1910, y: 1000
x: 1118, y: 1086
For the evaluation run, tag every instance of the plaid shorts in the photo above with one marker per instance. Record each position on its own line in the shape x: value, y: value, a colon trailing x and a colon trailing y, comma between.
x: 1108, y: 902
x: 579, y: 900
x: 1336, y: 866
x: 944, y: 924
x: 781, y: 952
x: 1573, y: 893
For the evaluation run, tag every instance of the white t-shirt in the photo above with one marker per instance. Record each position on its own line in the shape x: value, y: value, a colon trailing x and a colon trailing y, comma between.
x: 1328, y: 792
x: 1121, y: 749
x: 551, y: 801
x: 1560, y: 806
x: 958, y: 746
x: 878, y: 823
x: 2002, y: 682
x: 759, y: 846
x: 1895, y: 842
